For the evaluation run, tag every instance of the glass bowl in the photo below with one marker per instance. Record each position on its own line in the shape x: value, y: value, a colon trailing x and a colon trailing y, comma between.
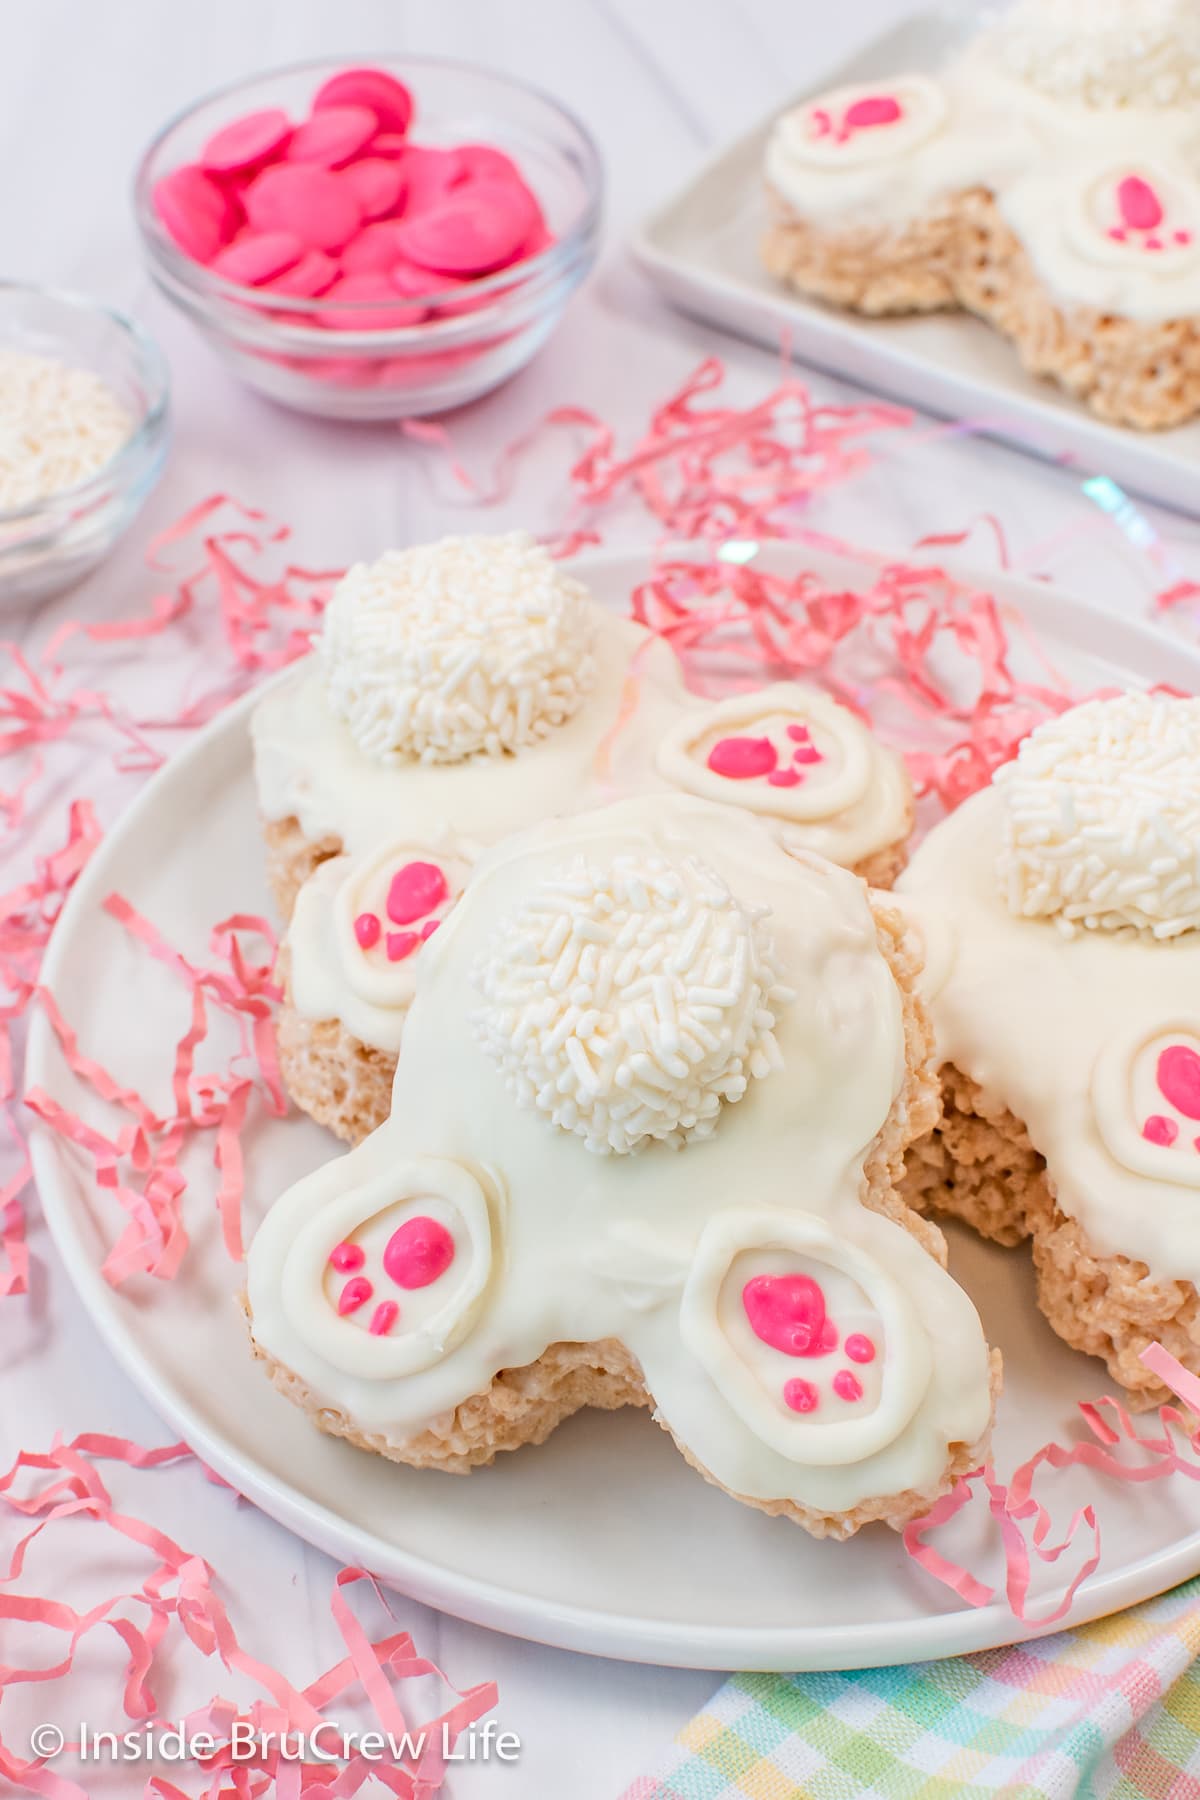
x: 302, y: 352
x: 52, y: 543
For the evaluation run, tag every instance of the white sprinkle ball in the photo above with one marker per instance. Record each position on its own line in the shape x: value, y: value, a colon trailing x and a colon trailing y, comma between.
x: 629, y: 1000
x: 1102, y: 818
x: 1104, y: 53
x: 58, y: 426
x: 448, y: 650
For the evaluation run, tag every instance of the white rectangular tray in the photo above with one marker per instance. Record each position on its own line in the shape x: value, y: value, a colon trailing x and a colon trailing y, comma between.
x: 701, y: 248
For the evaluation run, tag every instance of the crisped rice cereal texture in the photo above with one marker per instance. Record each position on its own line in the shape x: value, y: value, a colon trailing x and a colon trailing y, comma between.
x: 291, y: 859
x: 330, y: 1074
x: 523, y: 1405
x: 963, y: 254
x: 980, y: 1166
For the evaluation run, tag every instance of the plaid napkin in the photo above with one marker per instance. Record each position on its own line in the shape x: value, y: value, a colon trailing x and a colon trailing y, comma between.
x: 1108, y: 1712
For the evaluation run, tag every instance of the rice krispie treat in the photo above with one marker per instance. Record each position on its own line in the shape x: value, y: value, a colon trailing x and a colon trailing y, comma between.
x: 652, y: 1103
x: 805, y: 766
x: 1048, y: 180
x: 1062, y: 911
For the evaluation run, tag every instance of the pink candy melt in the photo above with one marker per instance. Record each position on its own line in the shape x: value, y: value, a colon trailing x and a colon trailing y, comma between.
x: 332, y: 136
x: 472, y: 230
x: 785, y: 778
x: 401, y: 944
x: 1178, y: 1075
x: 383, y: 1318
x: 376, y: 249
x: 742, y: 758
x: 418, y: 1252
x: 801, y: 1396
x: 345, y: 1258
x: 196, y: 211
x: 877, y: 109
x: 1158, y: 1130
x: 247, y: 142
x: 315, y: 204
x: 1139, y: 205
x: 312, y: 275
x: 788, y: 1312
x: 358, y: 291
x: 859, y: 1348
x: 415, y: 891
x: 378, y: 185
x: 367, y: 929
x: 847, y: 1386
x: 807, y: 753
x: 381, y: 93
x: 356, y: 1293
x: 255, y: 257
x: 428, y: 928
x: 799, y: 734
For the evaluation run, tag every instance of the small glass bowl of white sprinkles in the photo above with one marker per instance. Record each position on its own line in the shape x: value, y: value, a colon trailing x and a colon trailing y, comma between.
x: 83, y: 435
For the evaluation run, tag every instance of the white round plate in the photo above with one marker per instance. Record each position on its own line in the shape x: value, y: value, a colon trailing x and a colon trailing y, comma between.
x: 602, y: 1540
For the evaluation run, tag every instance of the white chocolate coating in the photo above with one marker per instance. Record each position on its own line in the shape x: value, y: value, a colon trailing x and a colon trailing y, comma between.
x: 1069, y: 1035
x: 639, y: 730
x: 1057, y: 160
x: 308, y: 766
x: 644, y: 1248
x: 334, y: 976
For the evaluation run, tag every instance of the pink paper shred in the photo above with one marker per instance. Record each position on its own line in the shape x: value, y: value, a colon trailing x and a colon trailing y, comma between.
x: 178, y: 1598
x: 1116, y: 1449
x: 704, y: 472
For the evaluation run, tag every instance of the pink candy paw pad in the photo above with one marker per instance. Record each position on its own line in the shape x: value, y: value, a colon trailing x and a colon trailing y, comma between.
x: 788, y: 1313
x: 1177, y: 1076
x: 296, y: 207
x: 1140, y: 217
x: 764, y: 758
x: 867, y: 114
x: 416, y: 1255
x: 417, y: 897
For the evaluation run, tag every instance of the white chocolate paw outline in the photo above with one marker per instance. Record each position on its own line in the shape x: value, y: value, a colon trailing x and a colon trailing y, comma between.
x: 393, y: 1237
x: 865, y: 123
x: 1135, y: 213
x: 785, y: 752
x: 388, y: 905
x: 1146, y: 1100
x: 866, y: 1355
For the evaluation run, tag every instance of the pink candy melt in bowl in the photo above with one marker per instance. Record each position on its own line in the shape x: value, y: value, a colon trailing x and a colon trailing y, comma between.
x: 376, y: 239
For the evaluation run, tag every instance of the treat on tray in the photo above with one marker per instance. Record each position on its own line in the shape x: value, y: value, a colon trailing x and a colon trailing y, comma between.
x: 345, y: 206
x: 1062, y: 912
x: 652, y: 1102
x: 468, y: 689
x: 1047, y: 179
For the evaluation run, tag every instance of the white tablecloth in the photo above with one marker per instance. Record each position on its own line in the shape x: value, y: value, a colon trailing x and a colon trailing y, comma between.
x: 81, y: 89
